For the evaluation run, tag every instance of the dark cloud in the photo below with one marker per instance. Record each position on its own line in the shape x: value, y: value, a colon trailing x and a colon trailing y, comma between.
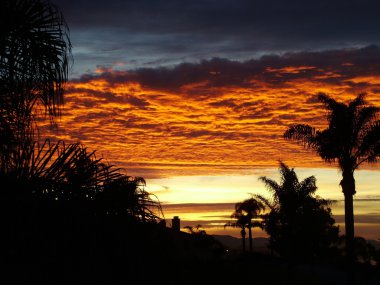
x: 211, y: 16
x: 105, y: 97
x: 150, y: 32
x: 201, y: 133
x: 141, y: 126
x: 328, y: 67
x: 257, y: 113
x: 247, y: 106
x: 137, y: 102
x: 288, y: 117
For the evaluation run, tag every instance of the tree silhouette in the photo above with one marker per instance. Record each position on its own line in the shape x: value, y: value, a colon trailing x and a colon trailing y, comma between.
x: 351, y: 138
x: 34, y: 52
x: 241, y: 222
x: 247, y: 214
x: 299, y: 224
x: 126, y: 196
x: 34, y: 57
x: 197, y: 230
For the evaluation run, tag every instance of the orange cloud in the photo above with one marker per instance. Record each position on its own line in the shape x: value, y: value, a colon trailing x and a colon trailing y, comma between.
x: 217, y: 116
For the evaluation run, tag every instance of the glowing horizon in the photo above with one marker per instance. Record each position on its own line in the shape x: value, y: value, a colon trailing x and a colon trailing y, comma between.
x: 209, y: 200
x: 204, y: 132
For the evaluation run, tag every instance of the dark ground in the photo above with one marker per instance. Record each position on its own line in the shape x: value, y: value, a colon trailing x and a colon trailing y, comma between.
x: 45, y: 247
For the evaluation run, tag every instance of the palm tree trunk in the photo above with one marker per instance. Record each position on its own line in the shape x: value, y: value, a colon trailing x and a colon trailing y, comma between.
x: 243, y: 237
x: 349, y: 224
x: 250, y: 238
x: 348, y: 187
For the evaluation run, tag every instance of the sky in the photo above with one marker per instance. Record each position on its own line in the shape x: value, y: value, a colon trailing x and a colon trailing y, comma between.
x: 195, y: 96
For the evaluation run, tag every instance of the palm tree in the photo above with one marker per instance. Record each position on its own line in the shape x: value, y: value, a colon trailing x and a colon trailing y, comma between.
x: 241, y: 222
x: 292, y: 205
x: 60, y: 172
x: 70, y: 174
x: 35, y: 51
x: 126, y: 196
x: 246, y: 214
x: 351, y: 138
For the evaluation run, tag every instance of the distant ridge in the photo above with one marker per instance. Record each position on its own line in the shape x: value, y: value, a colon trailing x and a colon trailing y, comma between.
x: 261, y: 243
x: 233, y: 243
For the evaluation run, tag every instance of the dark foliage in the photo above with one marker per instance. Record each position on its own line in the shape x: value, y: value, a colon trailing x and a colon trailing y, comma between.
x: 34, y: 57
x: 71, y: 175
x: 34, y: 54
x: 299, y: 223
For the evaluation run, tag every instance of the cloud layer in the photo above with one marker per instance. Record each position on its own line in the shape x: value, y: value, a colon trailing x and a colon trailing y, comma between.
x: 212, y: 116
x: 151, y: 33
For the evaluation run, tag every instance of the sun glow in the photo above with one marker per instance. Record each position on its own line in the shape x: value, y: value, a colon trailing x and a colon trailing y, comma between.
x: 204, y: 134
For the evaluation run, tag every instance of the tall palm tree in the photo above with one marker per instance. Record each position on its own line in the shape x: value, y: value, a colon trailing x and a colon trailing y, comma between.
x: 35, y: 51
x: 246, y: 214
x: 292, y: 205
x: 351, y: 138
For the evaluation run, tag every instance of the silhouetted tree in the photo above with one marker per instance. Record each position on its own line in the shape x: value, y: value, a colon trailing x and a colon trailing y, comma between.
x: 59, y: 172
x: 299, y: 223
x: 247, y: 215
x: 351, y: 138
x: 197, y: 230
x: 203, y: 240
x: 126, y: 196
x: 34, y: 55
x: 69, y: 174
x: 34, y: 52
x: 241, y: 222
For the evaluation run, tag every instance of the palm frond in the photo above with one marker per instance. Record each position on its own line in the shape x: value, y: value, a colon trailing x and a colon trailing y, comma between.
x: 270, y: 184
x: 303, y: 134
x: 363, y: 123
x: 369, y: 149
x: 357, y: 102
x: 266, y: 201
x: 329, y: 102
x: 35, y: 51
x: 308, y: 186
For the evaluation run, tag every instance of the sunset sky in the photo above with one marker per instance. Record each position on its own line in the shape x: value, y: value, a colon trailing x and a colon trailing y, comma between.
x: 195, y: 95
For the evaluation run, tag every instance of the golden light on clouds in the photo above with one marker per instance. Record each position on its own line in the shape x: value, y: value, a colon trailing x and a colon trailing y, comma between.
x: 217, y: 116
x: 195, y: 130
